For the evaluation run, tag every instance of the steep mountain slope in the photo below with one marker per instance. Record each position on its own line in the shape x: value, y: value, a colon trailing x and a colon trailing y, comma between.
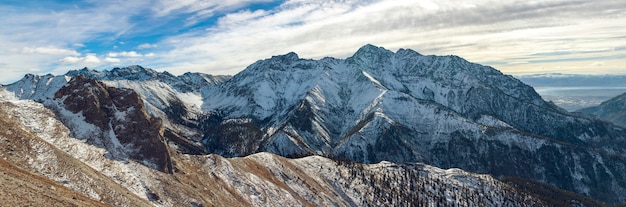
x: 32, y: 138
x: 406, y: 107
x: 612, y: 110
x: 112, y: 118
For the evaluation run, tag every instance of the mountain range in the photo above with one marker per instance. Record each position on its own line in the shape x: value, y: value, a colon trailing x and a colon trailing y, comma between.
x: 377, y: 128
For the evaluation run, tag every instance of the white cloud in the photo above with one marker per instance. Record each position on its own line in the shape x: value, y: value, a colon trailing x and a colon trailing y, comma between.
x: 429, y: 5
x: 89, y: 58
x: 241, y: 17
x: 70, y: 60
x: 199, y: 9
x: 146, y: 46
x: 125, y: 54
x: 112, y: 60
x: 50, y: 50
x: 203, y: 7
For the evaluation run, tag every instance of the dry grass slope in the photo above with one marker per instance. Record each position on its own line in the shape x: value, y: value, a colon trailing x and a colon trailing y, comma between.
x: 22, y: 188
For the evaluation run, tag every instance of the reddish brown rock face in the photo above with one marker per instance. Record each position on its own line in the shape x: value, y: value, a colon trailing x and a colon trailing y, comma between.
x: 122, y: 111
x: 89, y: 96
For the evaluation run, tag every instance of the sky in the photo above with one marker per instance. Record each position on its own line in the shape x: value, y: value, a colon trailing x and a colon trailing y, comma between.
x: 223, y: 37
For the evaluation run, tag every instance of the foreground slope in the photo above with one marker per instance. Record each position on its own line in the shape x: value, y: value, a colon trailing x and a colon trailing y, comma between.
x: 22, y: 188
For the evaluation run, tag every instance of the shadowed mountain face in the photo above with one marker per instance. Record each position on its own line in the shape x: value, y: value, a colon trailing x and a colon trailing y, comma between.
x: 374, y: 106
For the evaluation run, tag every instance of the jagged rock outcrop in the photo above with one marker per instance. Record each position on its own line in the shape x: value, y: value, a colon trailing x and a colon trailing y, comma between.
x: 119, y: 115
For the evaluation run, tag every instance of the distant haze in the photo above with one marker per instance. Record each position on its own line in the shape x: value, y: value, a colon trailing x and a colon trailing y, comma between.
x: 573, y: 92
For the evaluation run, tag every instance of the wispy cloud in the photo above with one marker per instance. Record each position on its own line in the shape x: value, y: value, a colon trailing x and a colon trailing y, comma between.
x: 49, y: 51
x: 88, y: 59
x: 481, y: 31
x: 200, y: 9
x: 112, y: 60
x: 125, y: 54
x: 146, y: 46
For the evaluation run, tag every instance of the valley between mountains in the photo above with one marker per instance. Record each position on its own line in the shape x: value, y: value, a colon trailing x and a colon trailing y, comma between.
x: 379, y: 128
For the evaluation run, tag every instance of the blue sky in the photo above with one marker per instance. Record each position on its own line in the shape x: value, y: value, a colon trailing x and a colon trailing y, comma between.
x: 223, y: 37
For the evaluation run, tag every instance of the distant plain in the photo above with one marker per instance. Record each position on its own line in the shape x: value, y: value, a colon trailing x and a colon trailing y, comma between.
x: 573, y: 92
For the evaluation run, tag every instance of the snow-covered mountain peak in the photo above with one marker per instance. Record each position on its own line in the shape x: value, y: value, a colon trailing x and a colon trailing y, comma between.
x: 133, y: 72
x: 407, y: 52
x: 86, y: 72
x: 372, y: 55
x: 36, y: 87
x: 188, y: 82
x: 289, y: 57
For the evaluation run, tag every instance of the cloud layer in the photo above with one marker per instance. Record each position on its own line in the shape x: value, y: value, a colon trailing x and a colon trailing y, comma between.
x: 222, y: 38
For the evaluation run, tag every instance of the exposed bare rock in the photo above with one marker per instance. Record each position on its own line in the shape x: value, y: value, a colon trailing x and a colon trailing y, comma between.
x: 122, y: 112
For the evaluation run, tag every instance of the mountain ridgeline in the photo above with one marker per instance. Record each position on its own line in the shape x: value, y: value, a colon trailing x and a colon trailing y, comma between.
x: 612, y: 110
x: 377, y: 105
